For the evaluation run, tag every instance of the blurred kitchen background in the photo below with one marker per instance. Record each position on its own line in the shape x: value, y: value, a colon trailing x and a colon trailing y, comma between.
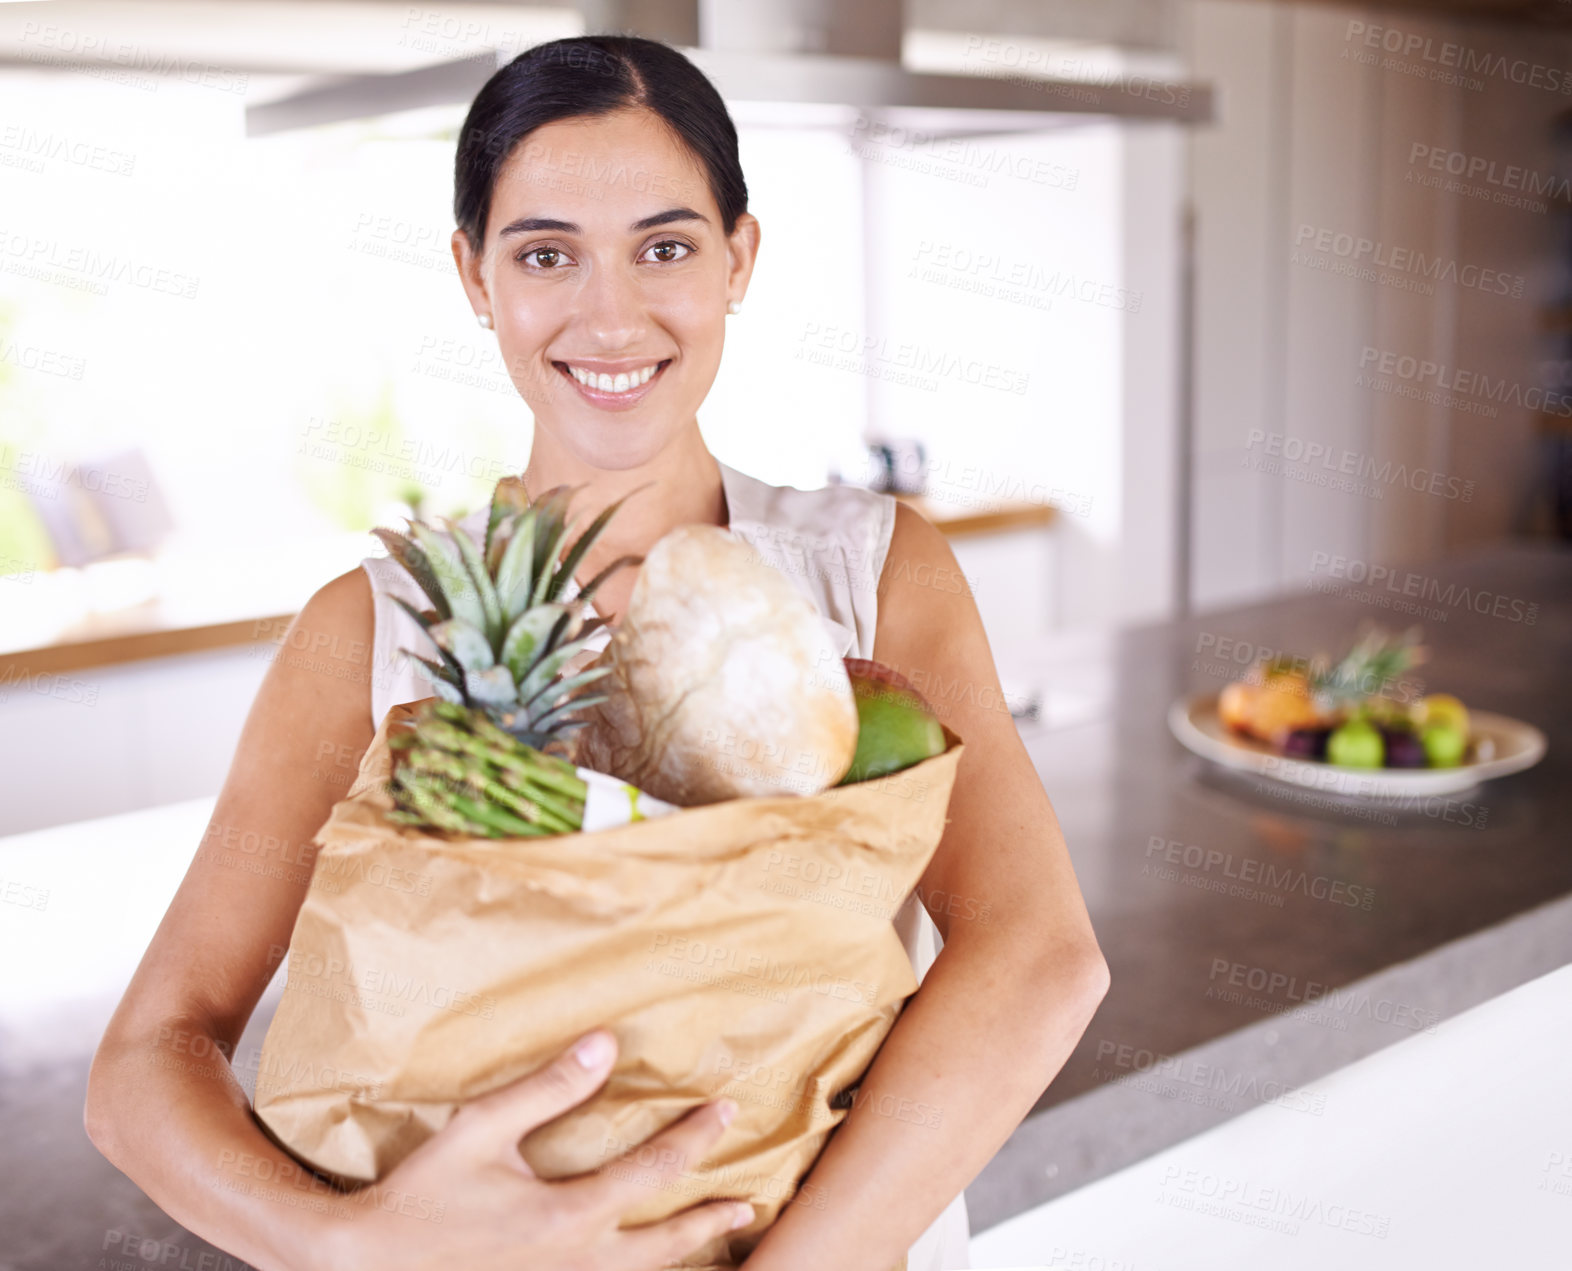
x: 1085, y: 275
x: 1185, y: 319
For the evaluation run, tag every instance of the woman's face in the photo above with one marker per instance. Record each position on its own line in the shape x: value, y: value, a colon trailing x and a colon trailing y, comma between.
x: 605, y: 256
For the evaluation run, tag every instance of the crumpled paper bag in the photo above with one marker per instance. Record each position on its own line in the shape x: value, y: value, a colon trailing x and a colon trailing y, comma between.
x: 742, y: 949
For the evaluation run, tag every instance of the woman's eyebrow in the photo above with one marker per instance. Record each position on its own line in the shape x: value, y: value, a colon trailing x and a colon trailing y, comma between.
x: 529, y: 224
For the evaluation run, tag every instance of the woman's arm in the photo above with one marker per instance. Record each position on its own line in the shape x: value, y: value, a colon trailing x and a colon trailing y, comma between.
x: 164, y: 1105
x: 1015, y: 985
x: 162, y: 1101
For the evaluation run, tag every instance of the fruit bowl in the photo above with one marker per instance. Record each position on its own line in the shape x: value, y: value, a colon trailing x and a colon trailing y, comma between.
x: 1499, y: 745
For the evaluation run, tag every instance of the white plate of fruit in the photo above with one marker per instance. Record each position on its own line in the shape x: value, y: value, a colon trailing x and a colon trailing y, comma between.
x: 1356, y: 727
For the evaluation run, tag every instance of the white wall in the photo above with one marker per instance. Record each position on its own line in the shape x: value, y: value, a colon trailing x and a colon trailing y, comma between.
x: 1317, y: 132
x: 89, y: 743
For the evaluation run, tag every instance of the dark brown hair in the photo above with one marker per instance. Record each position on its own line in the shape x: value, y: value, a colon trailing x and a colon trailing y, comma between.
x: 591, y: 75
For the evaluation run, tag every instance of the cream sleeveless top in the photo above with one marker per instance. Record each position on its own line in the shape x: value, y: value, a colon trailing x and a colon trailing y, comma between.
x: 831, y: 543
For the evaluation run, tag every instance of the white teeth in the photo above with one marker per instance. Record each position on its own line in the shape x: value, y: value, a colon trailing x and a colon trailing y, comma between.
x: 620, y: 383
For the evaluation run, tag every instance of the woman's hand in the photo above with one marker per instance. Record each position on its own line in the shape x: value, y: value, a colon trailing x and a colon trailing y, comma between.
x: 466, y: 1199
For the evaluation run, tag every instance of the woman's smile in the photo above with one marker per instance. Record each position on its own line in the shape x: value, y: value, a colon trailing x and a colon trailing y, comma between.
x: 613, y: 386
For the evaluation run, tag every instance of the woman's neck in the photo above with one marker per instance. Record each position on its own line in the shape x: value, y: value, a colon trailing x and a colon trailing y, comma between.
x: 681, y: 486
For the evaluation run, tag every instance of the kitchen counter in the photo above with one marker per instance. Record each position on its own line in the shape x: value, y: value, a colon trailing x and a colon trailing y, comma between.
x: 1453, y: 903
x: 1447, y: 1150
x: 1261, y: 936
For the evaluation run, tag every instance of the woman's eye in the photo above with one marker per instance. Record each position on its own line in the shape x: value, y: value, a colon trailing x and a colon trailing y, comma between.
x: 667, y: 246
x: 550, y: 256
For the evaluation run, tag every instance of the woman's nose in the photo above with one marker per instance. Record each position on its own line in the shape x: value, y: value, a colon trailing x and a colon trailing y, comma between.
x: 612, y: 308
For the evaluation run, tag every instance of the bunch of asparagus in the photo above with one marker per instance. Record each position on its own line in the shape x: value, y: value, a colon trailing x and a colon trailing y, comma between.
x: 461, y: 772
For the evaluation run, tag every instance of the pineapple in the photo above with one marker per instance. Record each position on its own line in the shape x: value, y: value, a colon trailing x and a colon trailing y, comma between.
x: 487, y: 757
x: 1374, y: 662
x: 1282, y: 695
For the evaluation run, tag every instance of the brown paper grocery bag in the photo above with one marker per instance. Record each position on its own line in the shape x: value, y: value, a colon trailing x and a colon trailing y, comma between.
x: 740, y: 949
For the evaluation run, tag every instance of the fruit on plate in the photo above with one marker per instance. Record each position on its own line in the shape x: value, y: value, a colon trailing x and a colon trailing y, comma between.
x: 1283, y: 696
x: 723, y: 681
x: 1346, y: 713
x: 896, y: 727
x: 1445, y: 744
x: 1307, y: 743
x: 1269, y: 710
x: 484, y: 757
x: 1356, y: 744
x: 1403, y: 748
x: 1442, y: 708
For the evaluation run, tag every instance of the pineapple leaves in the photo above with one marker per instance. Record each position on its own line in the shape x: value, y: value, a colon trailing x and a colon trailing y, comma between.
x: 415, y: 564
x: 515, y: 582
x: 590, y: 588
x: 502, y: 637
x: 508, y: 500
x: 551, y: 529
x: 541, y: 675
x: 551, y: 693
x: 528, y: 635
x: 557, y: 720
x: 441, y: 679
x: 467, y: 645
x: 463, y: 600
x: 424, y: 618
x: 427, y: 620
x: 586, y: 540
x: 470, y: 553
x: 490, y: 687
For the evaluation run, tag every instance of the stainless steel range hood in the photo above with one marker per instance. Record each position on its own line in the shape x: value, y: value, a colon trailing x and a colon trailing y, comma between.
x: 813, y: 57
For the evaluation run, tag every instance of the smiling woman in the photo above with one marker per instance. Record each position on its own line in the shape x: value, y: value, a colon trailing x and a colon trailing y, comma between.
x: 603, y: 234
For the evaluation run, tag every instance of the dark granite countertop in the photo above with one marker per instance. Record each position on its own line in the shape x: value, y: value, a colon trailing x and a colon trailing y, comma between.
x: 1261, y: 935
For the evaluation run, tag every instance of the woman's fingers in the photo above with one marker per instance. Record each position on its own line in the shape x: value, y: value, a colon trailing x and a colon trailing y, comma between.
x: 500, y: 1119
x: 659, y: 1162
x: 661, y: 1243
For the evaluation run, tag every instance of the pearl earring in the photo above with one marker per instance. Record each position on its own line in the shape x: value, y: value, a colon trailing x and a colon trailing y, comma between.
x: 484, y: 319
x: 732, y: 306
